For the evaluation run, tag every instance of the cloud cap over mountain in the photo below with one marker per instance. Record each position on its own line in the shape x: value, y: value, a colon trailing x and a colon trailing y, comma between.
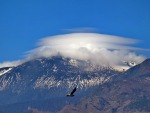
x: 99, y: 48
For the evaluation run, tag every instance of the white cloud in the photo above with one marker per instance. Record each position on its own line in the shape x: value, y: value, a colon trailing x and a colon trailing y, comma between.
x: 99, y: 48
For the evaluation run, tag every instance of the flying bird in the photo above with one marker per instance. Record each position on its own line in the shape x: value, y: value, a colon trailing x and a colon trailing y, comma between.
x: 71, y: 94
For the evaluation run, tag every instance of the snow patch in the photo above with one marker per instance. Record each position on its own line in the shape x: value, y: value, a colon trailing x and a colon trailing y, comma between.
x: 73, y: 62
x: 5, y: 71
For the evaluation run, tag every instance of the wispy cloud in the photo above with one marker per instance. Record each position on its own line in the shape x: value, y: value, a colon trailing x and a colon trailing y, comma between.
x: 11, y: 63
x: 80, y: 30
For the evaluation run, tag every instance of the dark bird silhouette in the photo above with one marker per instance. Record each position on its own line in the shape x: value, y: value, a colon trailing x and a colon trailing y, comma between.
x: 71, y: 94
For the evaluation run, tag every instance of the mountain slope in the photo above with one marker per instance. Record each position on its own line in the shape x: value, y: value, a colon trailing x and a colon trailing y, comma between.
x: 128, y: 94
x: 140, y: 71
x: 116, y: 97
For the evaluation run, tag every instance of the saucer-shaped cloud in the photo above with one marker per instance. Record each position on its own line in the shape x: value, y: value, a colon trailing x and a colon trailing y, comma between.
x: 98, y: 48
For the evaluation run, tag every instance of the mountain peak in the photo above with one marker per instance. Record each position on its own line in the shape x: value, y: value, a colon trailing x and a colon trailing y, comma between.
x: 140, y: 70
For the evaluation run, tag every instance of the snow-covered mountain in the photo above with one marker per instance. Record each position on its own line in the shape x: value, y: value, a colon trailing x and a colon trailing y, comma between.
x: 41, y: 85
x: 46, y: 78
x: 55, y: 72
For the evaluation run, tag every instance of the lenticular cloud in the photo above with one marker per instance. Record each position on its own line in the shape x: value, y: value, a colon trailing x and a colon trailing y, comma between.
x: 98, y: 48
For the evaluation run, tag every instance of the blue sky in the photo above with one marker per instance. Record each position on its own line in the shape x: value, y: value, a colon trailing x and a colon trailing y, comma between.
x: 24, y: 22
